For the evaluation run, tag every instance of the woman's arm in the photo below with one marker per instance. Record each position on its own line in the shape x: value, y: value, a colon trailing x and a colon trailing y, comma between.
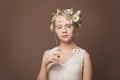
x: 87, y: 69
x: 43, y: 71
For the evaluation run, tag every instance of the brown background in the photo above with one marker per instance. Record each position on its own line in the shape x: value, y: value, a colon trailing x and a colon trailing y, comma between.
x: 25, y: 35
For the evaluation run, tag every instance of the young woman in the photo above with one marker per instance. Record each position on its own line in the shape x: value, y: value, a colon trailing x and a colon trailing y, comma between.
x: 66, y: 61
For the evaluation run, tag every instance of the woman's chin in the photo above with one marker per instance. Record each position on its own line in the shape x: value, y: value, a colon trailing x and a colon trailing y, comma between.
x: 66, y: 41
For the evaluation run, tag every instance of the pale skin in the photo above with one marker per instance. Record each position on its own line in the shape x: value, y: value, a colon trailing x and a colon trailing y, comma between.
x: 66, y: 45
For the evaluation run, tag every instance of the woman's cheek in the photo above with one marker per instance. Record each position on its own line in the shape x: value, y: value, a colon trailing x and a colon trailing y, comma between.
x: 58, y: 35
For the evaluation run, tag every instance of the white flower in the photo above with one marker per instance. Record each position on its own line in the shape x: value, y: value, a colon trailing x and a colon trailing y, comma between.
x: 70, y: 22
x: 76, y: 50
x: 78, y: 12
x: 69, y: 11
x: 51, y: 27
x: 56, y: 18
x: 75, y: 18
x: 58, y: 11
x: 65, y: 11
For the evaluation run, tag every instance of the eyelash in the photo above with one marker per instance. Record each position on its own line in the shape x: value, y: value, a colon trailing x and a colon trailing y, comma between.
x: 69, y: 26
x: 59, y: 27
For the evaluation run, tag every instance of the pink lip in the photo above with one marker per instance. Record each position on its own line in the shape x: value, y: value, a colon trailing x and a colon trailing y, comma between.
x: 65, y: 36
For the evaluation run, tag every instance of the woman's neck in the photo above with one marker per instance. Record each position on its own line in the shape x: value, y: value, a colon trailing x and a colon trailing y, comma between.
x: 70, y: 45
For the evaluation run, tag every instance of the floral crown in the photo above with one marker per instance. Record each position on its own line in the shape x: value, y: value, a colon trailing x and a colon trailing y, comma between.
x: 76, y: 17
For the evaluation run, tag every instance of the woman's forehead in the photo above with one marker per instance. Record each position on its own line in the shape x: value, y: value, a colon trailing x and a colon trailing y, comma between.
x: 61, y: 20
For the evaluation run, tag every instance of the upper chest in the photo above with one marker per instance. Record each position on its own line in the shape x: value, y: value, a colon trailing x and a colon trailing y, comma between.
x: 70, y: 58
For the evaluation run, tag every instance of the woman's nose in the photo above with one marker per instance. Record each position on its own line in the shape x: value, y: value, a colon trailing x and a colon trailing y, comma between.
x: 65, y: 30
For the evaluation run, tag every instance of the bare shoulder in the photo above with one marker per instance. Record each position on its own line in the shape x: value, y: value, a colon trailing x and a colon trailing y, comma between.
x: 45, y: 56
x: 87, y: 57
x: 46, y: 53
x: 86, y: 54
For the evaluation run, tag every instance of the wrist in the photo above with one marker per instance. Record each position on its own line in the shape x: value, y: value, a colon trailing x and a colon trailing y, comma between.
x: 45, y: 66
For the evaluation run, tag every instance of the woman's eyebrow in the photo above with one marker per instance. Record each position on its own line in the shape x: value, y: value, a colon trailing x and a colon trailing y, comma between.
x: 67, y: 24
x: 58, y: 25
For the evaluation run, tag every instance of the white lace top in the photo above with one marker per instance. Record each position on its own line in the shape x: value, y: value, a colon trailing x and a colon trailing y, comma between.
x: 71, y: 70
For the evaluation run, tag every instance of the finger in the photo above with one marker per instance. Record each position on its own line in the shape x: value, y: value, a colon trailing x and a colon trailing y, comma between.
x: 54, y: 55
x: 55, y: 59
x: 51, y: 56
x: 57, y: 55
x: 50, y: 61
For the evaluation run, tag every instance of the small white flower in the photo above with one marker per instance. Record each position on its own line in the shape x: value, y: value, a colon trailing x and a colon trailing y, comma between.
x: 75, y: 18
x: 58, y: 11
x: 69, y: 11
x: 78, y: 12
x: 70, y: 22
x: 51, y: 27
x: 74, y: 50
x: 56, y: 19
x: 77, y: 50
x: 59, y: 20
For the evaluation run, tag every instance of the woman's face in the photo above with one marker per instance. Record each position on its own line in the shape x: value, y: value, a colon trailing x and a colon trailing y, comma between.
x: 64, y: 30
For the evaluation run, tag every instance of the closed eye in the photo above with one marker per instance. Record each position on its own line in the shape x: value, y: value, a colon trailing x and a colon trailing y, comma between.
x: 59, y: 27
x: 69, y: 26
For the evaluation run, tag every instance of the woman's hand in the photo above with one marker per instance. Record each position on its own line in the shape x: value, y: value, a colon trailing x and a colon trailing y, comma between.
x: 54, y: 57
x: 47, y: 59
